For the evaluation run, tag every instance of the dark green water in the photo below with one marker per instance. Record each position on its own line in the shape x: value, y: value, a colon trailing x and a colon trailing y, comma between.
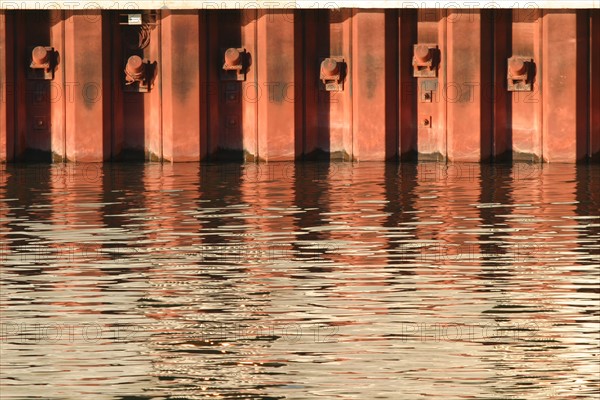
x: 333, y: 281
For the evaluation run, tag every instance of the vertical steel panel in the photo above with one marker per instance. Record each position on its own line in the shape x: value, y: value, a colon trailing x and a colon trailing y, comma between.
x: 372, y: 82
x: 281, y: 110
x: 564, y: 85
x: 20, y: 85
x: 251, y: 90
x: 315, y: 108
x: 468, y: 116
x: 432, y: 135
x: 36, y: 32
x: 497, y: 92
x: 153, y: 100
x: 136, y: 128
x: 407, y: 85
x: 335, y: 108
x: 117, y: 94
x: 231, y: 104
x: 391, y: 82
x: 86, y: 128
x: 229, y: 133
x: 181, y: 85
x: 6, y: 87
x: 276, y: 111
x: 594, y: 136
x: 211, y: 59
x: 526, y: 107
x: 486, y: 73
x: 299, y: 84
x: 58, y: 93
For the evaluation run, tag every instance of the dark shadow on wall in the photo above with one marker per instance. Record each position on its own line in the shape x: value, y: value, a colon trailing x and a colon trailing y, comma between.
x: 314, y: 113
x: 33, y: 93
x: 498, y: 96
x: 225, y: 96
x: 408, y: 136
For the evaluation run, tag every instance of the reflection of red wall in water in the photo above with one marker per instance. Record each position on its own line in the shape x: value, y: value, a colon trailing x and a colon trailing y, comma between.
x: 447, y: 196
x: 167, y: 190
x: 268, y: 239
x: 4, y: 245
x: 537, y: 250
x: 75, y: 200
x: 359, y: 194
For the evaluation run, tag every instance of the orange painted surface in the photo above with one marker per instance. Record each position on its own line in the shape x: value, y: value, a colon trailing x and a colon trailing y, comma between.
x: 430, y: 117
x: 6, y: 90
x: 60, y: 93
x: 180, y: 66
x: 87, y: 117
x: 469, y: 115
x: 407, y: 85
x: 594, y: 150
x: 275, y: 63
x: 277, y: 108
x: 334, y: 109
x: 526, y: 107
x: 565, y: 86
x: 374, y: 134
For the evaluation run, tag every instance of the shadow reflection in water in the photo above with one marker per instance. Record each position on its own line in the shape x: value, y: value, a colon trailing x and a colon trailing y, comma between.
x: 283, y: 280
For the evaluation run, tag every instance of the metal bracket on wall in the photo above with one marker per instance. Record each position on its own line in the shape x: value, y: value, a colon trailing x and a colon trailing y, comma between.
x: 139, y: 75
x: 520, y: 73
x: 425, y: 60
x: 235, y: 64
x: 42, y: 63
x: 331, y: 73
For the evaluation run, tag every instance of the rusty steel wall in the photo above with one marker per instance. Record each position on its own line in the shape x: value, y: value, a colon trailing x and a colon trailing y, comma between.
x: 264, y: 84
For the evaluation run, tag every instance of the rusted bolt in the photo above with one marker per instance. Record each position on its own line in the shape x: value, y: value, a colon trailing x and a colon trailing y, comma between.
x: 422, y: 53
x: 517, y: 67
x: 135, y: 67
x: 330, y: 67
x: 39, y: 55
x: 233, y: 57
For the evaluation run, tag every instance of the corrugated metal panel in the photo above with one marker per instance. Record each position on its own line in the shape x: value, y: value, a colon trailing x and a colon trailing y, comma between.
x: 462, y: 85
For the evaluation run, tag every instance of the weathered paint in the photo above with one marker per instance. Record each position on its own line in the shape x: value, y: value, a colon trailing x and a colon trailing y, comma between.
x: 87, y: 123
x: 180, y: 66
x: 275, y: 61
x: 297, y: 4
x: 431, y: 140
x: 594, y: 147
x: 526, y: 107
x: 6, y: 89
x: 281, y: 111
x: 565, y: 69
x: 468, y: 67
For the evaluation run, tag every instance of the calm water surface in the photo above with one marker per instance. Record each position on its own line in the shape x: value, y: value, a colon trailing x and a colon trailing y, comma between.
x: 283, y: 281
